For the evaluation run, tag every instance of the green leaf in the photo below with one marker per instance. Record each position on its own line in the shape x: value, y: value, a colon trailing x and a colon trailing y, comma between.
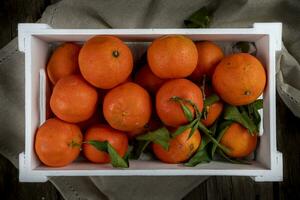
x: 258, y: 104
x: 203, y: 128
x: 222, y: 129
x: 256, y: 119
x: 183, y: 128
x: 188, y: 101
x: 232, y: 113
x: 199, y: 19
x: 201, y: 156
x: 208, y: 133
x: 252, y: 111
x: 231, y: 160
x: 187, y: 113
x: 249, y: 124
x: 116, y: 159
x: 211, y: 100
x: 193, y: 129
x: 101, y: 146
x: 160, y: 136
x: 139, y: 149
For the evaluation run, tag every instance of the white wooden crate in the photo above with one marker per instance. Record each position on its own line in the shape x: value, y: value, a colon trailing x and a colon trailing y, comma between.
x: 35, y: 40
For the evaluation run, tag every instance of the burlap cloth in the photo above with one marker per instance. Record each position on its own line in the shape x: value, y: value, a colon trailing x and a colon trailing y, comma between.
x: 142, y: 14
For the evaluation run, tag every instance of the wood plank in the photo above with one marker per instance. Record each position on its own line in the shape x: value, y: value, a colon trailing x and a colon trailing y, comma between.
x: 288, y: 134
x: 264, y: 190
x: 235, y: 188
x: 199, y: 193
x: 13, y: 12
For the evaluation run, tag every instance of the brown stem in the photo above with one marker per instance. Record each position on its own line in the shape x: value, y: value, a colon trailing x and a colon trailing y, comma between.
x: 74, y: 144
x: 203, y: 87
x: 115, y: 53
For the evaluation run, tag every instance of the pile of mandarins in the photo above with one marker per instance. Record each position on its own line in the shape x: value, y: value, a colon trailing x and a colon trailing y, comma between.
x: 101, y: 103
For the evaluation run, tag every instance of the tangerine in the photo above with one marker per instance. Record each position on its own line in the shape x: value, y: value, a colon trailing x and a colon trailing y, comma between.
x: 99, y: 132
x: 73, y: 99
x: 148, y: 80
x: 213, y: 113
x: 239, y: 79
x: 239, y: 141
x: 209, y: 55
x: 105, y: 61
x: 127, y: 107
x: 63, y: 61
x: 181, y: 148
x: 170, y: 112
x: 57, y: 143
x: 172, y: 56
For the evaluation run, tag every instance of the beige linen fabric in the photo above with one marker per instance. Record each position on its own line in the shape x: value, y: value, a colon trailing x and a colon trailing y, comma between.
x: 142, y: 14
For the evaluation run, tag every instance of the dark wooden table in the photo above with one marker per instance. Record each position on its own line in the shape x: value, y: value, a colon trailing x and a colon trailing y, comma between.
x: 288, y: 134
